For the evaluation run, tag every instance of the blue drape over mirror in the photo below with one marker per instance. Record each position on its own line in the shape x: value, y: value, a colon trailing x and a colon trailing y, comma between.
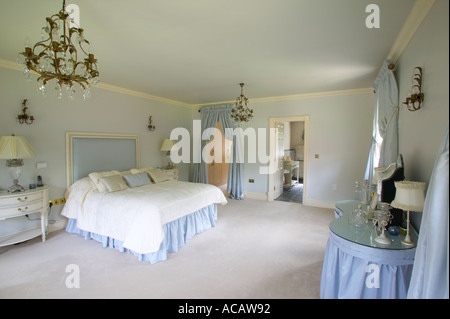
x: 210, y: 115
x: 430, y: 278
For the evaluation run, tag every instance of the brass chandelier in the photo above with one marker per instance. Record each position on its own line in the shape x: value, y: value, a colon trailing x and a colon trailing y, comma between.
x: 56, y: 57
x: 241, y: 112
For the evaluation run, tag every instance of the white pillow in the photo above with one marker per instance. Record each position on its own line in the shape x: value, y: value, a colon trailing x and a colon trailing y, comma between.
x: 114, y: 183
x: 158, y: 175
x: 95, y: 177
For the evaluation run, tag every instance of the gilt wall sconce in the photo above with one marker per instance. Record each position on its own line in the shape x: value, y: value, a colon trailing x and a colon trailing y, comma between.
x: 415, y: 99
x: 150, y: 126
x: 24, y: 118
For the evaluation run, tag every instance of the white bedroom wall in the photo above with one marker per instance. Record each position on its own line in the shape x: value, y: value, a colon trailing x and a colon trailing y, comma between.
x: 104, y: 112
x: 421, y: 132
x: 340, y: 133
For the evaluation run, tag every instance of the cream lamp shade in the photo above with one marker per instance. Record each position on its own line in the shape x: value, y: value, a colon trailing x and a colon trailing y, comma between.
x: 409, y: 196
x: 12, y: 147
x: 167, y: 145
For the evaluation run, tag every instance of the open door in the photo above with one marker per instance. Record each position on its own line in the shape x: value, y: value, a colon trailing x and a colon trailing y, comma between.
x: 218, y: 172
x: 276, y: 178
x: 275, y: 183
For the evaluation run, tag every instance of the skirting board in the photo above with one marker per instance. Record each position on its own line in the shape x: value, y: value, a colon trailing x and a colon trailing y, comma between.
x: 306, y: 202
x: 259, y: 196
x: 320, y: 203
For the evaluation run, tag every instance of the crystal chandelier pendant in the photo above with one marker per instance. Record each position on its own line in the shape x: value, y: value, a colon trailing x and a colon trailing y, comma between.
x: 63, y: 55
x: 241, y: 113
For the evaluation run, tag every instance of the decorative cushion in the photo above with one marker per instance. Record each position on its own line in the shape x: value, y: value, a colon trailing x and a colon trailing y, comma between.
x: 95, y: 177
x: 135, y: 180
x: 158, y: 175
x: 114, y: 183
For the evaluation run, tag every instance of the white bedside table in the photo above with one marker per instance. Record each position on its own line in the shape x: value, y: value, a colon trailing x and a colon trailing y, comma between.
x: 21, y: 204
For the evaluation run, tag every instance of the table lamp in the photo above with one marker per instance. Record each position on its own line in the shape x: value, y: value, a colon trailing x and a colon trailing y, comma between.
x: 409, y: 196
x: 166, y: 146
x: 14, y: 149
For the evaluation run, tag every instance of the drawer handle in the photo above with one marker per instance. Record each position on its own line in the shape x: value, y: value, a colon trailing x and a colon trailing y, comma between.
x: 20, y: 199
x: 24, y: 209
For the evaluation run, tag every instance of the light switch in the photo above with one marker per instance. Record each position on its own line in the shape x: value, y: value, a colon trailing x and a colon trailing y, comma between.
x: 41, y: 165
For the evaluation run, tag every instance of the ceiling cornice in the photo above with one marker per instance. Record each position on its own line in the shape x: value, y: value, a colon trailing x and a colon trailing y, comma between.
x: 416, y: 16
x: 7, y: 64
x: 143, y: 95
x: 296, y: 96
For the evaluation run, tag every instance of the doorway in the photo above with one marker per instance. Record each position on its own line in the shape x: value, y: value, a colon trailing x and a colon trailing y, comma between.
x: 218, y: 171
x: 289, y: 182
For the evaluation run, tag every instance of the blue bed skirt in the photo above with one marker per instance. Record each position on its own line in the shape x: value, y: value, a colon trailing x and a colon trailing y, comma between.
x: 176, y: 233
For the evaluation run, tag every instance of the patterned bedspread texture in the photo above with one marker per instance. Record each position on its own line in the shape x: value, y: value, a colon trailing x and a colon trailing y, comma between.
x: 136, y: 215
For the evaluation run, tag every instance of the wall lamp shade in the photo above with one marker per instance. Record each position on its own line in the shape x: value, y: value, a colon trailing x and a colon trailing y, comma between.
x: 409, y: 196
x: 167, y: 145
x: 14, y: 149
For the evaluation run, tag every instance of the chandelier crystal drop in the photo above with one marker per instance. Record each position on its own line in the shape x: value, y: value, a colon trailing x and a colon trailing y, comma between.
x: 241, y: 112
x: 64, y: 55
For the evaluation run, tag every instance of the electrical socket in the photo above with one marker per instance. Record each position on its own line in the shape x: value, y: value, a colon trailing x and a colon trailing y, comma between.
x: 57, y: 201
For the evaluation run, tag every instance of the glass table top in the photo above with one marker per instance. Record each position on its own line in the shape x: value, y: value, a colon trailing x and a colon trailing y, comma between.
x: 366, y: 234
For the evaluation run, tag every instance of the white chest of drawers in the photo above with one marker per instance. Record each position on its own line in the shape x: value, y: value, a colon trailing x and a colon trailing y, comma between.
x: 21, y: 204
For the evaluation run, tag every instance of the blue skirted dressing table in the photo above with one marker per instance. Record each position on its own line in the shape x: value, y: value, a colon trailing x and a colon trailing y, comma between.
x: 357, y: 267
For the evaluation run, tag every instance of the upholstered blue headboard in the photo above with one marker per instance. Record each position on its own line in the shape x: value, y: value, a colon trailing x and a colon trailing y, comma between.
x: 98, y: 152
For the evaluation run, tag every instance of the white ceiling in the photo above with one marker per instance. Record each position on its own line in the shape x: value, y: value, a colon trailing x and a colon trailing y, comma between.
x: 197, y: 51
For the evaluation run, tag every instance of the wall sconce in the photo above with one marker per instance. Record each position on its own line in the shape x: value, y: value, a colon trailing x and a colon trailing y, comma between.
x: 415, y: 99
x: 24, y: 117
x: 150, y: 126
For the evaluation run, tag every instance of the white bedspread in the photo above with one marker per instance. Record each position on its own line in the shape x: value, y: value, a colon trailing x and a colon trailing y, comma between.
x: 136, y: 215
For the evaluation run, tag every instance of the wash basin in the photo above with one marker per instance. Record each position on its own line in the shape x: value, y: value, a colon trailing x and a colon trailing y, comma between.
x: 290, y: 164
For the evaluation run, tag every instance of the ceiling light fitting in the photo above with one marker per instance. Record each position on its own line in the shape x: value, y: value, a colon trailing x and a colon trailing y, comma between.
x: 241, y: 112
x: 56, y: 57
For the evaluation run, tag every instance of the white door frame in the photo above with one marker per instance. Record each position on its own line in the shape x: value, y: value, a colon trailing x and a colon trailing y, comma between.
x: 271, y: 182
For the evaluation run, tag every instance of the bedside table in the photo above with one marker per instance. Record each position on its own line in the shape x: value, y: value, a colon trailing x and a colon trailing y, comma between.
x: 21, y: 204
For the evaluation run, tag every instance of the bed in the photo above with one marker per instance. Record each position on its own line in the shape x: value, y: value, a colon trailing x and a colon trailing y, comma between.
x: 142, y: 211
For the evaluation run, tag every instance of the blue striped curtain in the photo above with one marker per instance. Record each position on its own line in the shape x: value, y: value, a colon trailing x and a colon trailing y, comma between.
x: 210, y: 115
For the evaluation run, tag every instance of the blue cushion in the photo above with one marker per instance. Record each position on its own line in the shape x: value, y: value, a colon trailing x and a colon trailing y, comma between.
x: 135, y: 180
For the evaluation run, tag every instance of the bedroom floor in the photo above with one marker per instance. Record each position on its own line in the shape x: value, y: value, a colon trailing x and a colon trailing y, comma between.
x: 292, y: 194
x: 258, y: 250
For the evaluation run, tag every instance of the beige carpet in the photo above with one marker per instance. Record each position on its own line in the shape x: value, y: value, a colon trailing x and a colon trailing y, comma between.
x: 257, y: 250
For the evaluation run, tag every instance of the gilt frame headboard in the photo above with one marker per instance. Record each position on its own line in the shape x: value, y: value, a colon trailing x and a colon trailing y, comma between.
x: 97, y: 152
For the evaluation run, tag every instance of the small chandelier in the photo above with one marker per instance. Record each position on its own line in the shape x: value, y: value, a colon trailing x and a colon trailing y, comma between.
x: 240, y: 111
x: 56, y: 57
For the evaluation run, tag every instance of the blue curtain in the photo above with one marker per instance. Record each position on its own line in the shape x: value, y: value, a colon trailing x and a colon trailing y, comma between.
x: 430, y: 278
x: 384, y: 146
x: 210, y: 115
